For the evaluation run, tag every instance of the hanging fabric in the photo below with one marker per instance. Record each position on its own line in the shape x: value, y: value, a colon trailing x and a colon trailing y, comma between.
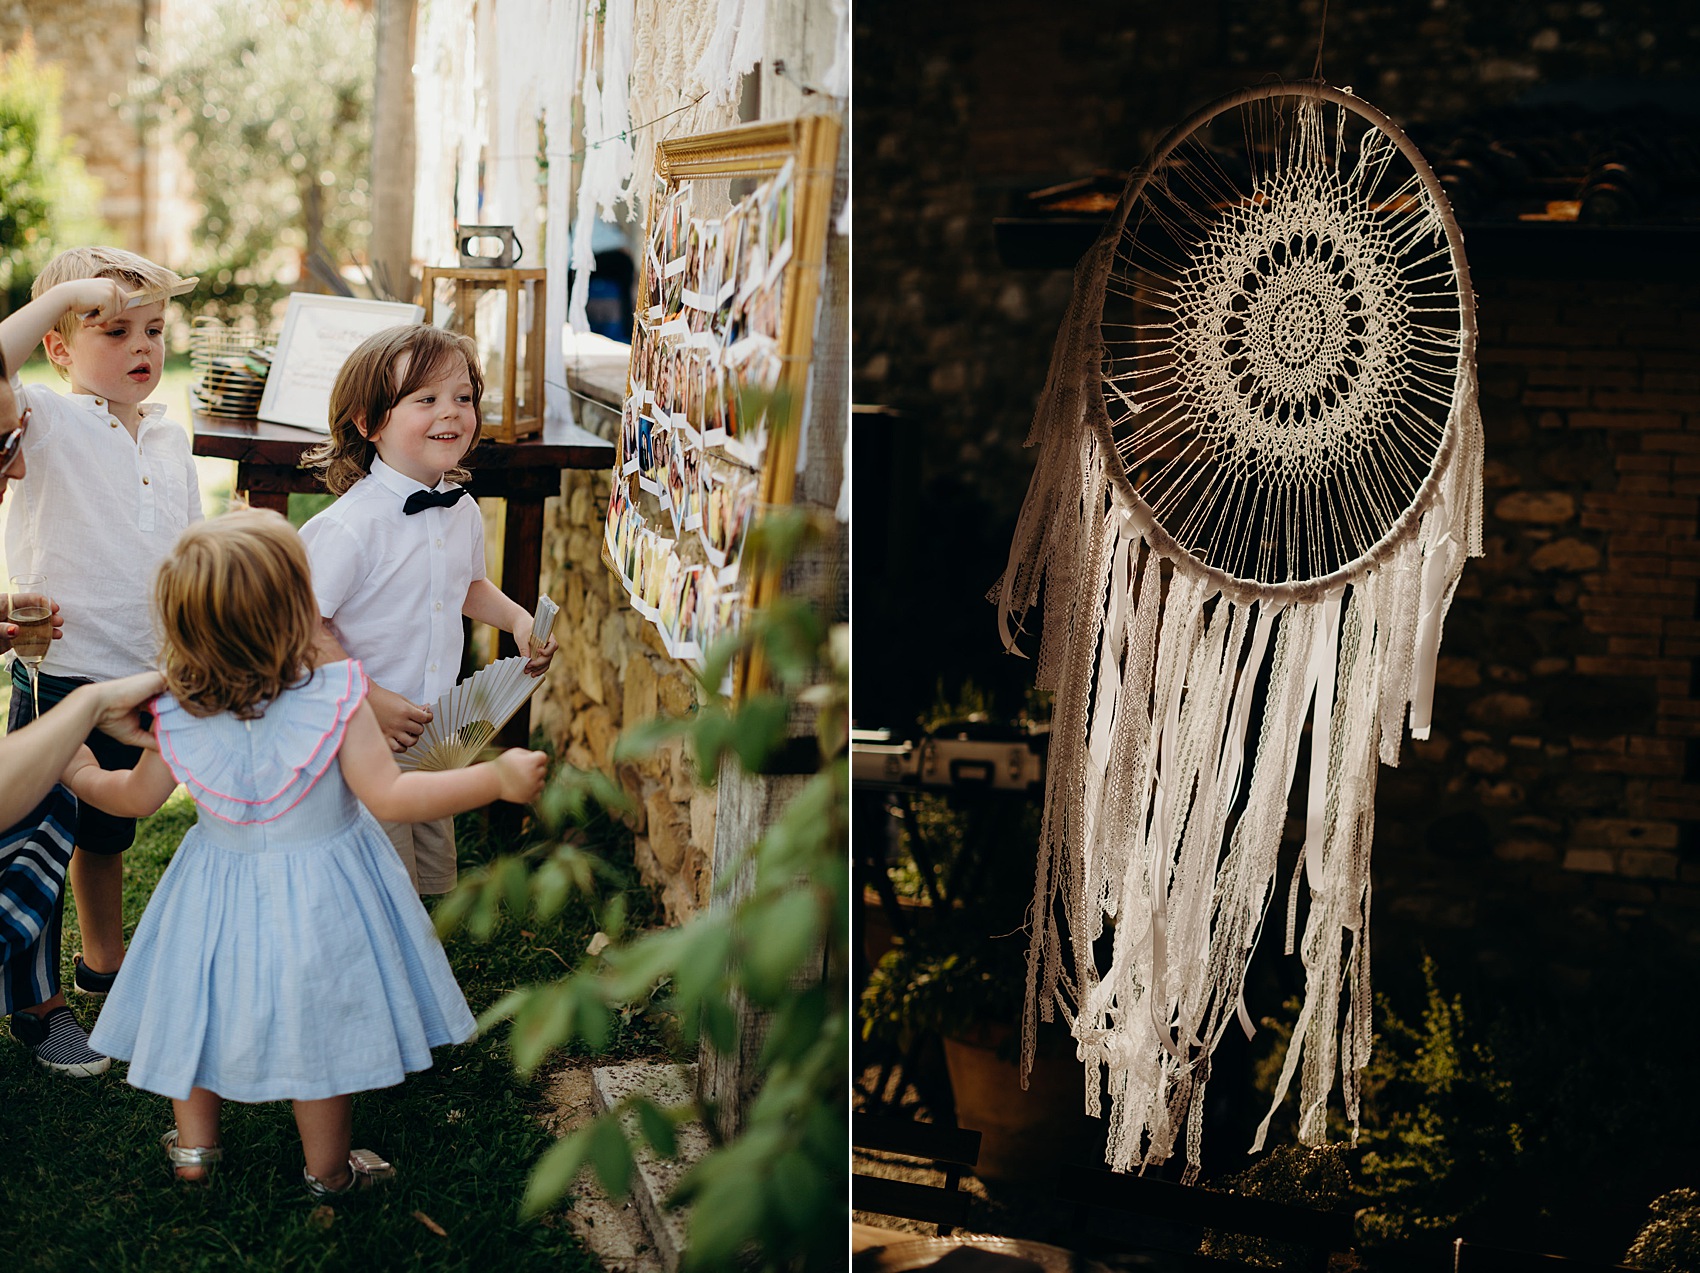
x: 1258, y: 478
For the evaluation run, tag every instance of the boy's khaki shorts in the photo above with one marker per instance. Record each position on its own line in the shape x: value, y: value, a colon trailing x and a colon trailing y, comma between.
x: 427, y: 850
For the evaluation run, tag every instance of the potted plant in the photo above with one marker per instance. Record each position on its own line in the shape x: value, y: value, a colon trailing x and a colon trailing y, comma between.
x: 956, y: 969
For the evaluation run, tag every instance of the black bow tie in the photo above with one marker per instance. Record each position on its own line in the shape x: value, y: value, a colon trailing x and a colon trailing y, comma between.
x: 421, y: 500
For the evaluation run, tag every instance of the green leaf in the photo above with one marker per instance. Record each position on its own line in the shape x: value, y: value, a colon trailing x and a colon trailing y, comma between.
x: 758, y: 730
x: 702, y: 967
x: 555, y: 1171
x: 550, y: 886
x: 798, y: 1191
x: 612, y: 1156
x: 644, y: 738
x: 545, y: 1021
x: 482, y: 921
x: 657, y: 1128
x: 593, y: 1017
x: 450, y: 913
x: 711, y: 738
x: 726, y: 1216
x: 778, y: 940
x: 503, y: 1008
x: 795, y: 1026
x: 516, y: 886
x: 720, y: 1023
x: 614, y: 917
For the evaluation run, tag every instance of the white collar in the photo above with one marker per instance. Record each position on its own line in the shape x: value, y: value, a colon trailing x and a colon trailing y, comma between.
x: 401, y: 483
x: 102, y: 407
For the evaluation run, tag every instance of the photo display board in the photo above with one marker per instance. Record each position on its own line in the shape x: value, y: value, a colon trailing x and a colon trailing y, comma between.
x: 727, y: 295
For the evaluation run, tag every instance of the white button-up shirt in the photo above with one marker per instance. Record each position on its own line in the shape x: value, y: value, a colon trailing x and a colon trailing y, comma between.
x: 393, y: 585
x: 96, y: 512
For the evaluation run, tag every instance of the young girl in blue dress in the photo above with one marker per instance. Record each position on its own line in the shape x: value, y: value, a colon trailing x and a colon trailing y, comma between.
x: 284, y: 954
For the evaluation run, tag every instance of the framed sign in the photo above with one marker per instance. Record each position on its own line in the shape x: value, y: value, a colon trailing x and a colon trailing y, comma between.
x: 724, y: 332
x: 319, y: 332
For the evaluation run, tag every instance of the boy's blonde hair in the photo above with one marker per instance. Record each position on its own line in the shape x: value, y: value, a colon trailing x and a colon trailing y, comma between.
x: 137, y: 273
x: 367, y: 389
x: 235, y: 612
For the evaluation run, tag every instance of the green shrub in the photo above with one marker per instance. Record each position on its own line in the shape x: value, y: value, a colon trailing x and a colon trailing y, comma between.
x: 1670, y: 1243
x: 48, y: 201
x: 1296, y: 1176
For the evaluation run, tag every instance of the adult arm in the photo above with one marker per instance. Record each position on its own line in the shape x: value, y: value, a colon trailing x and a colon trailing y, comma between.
x: 486, y: 603
x: 35, y: 757
x: 372, y: 775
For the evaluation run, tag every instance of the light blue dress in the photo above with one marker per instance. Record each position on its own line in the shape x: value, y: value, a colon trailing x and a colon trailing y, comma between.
x: 284, y: 954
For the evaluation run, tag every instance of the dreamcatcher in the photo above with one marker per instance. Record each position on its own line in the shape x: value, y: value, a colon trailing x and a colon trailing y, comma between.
x: 1259, y: 476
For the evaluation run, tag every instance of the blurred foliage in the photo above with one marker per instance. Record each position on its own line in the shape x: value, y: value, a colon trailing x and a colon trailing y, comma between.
x: 966, y: 858
x: 1670, y: 1242
x: 1295, y: 1176
x: 772, y: 1196
x: 272, y: 102
x: 48, y: 201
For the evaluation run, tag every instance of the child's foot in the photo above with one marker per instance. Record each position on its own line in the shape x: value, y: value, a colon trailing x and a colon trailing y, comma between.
x: 59, y: 1042
x: 193, y: 1165
x: 364, y: 1170
x: 88, y: 980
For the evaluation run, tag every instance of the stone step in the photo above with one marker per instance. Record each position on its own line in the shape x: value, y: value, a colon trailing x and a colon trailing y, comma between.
x: 654, y: 1179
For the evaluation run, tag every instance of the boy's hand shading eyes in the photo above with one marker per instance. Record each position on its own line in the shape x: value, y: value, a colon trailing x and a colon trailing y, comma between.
x: 521, y: 774
x: 98, y: 300
x: 400, y: 720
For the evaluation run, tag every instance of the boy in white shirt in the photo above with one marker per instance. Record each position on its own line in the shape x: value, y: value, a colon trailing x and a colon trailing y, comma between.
x: 399, y: 558
x: 112, y: 484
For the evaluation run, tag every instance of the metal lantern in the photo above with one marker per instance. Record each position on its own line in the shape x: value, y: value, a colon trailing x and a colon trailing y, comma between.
x: 503, y: 311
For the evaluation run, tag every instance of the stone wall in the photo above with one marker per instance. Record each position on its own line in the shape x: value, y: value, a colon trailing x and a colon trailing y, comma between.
x: 613, y: 671
x: 1563, y: 760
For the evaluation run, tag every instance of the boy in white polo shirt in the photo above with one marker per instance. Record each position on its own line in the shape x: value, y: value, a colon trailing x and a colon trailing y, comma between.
x: 112, y: 484
x: 399, y: 558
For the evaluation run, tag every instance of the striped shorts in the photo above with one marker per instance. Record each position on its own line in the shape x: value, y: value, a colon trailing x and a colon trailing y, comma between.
x: 33, y: 857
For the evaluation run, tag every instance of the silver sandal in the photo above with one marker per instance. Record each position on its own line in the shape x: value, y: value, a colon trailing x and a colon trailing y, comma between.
x: 365, y: 1170
x: 206, y: 1157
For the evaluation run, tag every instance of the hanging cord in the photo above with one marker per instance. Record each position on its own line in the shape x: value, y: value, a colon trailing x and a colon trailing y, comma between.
x: 1321, y: 31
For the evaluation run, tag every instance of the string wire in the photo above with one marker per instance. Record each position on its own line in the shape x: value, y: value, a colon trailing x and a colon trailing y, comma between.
x: 1321, y: 31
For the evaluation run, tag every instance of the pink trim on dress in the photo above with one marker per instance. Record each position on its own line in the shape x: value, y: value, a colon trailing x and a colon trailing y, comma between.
x: 355, y: 690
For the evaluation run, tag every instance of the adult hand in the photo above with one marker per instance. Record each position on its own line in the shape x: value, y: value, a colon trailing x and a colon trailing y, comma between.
x: 400, y: 721
x: 9, y: 631
x: 117, y: 705
x: 521, y: 774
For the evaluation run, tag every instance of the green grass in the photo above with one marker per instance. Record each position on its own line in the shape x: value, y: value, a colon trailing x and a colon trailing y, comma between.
x: 84, y: 1184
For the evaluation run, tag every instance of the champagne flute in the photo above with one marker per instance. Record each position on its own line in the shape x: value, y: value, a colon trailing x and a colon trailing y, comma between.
x: 31, y: 609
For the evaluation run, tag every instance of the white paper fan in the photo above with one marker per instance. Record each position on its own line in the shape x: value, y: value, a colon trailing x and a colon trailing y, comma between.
x: 468, y: 717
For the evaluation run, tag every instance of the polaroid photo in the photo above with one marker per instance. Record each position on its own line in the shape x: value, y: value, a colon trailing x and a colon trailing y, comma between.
x: 661, y: 559
x: 652, y: 451
x: 695, y: 296
x: 676, y: 215
x: 762, y: 310
x: 619, y: 499
x: 628, y: 462
x: 667, y: 599
x: 777, y: 217
x: 728, y: 508
x: 758, y: 367
x: 731, y: 239
x: 752, y: 249
x: 690, y: 517
x: 687, y: 623
x: 677, y: 495
x: 713, y: 402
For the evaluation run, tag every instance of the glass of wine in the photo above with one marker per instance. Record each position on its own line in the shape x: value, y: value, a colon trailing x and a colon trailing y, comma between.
x: 30, y: 608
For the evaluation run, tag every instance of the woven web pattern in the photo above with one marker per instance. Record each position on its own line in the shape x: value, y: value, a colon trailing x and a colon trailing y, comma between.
x: 1282, y: 335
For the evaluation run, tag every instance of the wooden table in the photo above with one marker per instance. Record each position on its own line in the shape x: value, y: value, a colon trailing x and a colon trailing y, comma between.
x: 268, y: 469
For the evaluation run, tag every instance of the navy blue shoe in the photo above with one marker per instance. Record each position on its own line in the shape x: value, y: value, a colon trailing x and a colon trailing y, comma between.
x: 60, y: 1043
x: 89, y: 981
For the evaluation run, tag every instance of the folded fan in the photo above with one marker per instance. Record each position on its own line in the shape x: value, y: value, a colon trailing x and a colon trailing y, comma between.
x: 464, y: 720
